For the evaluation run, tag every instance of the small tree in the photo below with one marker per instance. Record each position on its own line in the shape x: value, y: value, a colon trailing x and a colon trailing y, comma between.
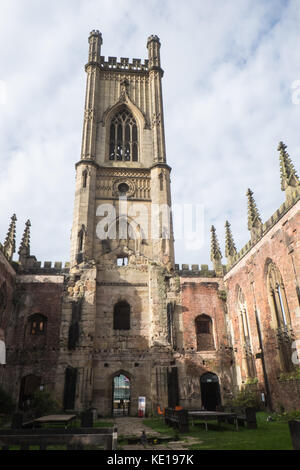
x: 247, y: 398
x: 7, y: 406
x: 44, y: 403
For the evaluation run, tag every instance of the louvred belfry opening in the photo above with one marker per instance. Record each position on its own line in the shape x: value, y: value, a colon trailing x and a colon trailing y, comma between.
x: 123, y: 140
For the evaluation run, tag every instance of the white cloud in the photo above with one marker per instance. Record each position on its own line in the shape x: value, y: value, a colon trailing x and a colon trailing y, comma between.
x: 229, y: 69
x: 3, y: 93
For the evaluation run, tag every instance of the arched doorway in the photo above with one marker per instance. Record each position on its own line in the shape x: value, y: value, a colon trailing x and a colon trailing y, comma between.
x: 210, y: 391
x: 121, y: 395
x: 29, y: 385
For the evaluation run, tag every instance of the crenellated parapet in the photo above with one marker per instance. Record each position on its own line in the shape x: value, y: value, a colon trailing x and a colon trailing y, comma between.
x: 124, y: 64
x: 185, y: 270
x: 47, y: 267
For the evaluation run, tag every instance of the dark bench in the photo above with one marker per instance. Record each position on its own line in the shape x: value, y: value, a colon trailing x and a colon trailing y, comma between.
x: 245, y: 415
x: 177, y: 419
x: 294, y: 427
x: 72, y: 439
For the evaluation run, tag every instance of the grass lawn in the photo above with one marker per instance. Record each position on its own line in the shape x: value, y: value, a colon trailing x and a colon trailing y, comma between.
x: 273, y: 435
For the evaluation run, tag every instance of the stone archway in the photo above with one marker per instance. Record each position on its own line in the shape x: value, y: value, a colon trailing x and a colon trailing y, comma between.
x: 121, y: 394
x: 29, y: 385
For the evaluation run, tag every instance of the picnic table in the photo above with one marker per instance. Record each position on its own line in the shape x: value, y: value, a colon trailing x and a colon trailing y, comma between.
x: 213, y: 416
x: 55, y: 419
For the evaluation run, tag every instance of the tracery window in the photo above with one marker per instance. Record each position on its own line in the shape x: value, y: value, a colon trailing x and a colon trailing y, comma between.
x: 123, y: 137
x: 279, y: 305
x: 204, y: 333
x: 245, y: 333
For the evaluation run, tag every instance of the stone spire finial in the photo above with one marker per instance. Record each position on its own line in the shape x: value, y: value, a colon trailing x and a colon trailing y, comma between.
x: 215, y: 253
x: 95, y: 43
x: 24, y: 250
x: 153, y: 45
x: 230, y: 249
x: 10, y: 241
x: 289, y: 177
x: 254, y: 220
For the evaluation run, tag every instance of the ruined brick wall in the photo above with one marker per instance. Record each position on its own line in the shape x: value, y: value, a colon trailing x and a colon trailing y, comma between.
x: 202, y: 296
x: 140, y: 350
x: 281, y: 245
x: 28, y: 353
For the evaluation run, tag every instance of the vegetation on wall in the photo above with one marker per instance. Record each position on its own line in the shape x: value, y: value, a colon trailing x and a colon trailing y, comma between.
x: 247, y: 398
x: 7, y: 406
x: 287, y: 376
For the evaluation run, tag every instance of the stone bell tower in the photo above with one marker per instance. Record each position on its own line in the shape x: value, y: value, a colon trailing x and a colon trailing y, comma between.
x: 122, y: 253
x: 123, y: 160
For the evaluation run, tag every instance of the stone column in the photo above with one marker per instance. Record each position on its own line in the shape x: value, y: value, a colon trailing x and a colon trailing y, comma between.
x: 157, y: 115
x: 92, y: 69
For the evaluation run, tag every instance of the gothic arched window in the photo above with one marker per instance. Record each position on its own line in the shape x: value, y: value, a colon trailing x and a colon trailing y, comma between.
x: 123, y: 137
x: 122, y: 316
x: 277, y: 291
x: 245, y: 334
x: 204, y: 333
x: 279, y: 306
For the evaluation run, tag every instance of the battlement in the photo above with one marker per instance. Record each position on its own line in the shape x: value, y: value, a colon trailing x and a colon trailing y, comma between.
x: 194, y: 271
x: 35, y: 267
x: 124, y: 64
x: 283, y: 209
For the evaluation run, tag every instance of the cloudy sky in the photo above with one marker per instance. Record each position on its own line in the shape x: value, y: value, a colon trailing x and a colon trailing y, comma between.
x: 230, y: 68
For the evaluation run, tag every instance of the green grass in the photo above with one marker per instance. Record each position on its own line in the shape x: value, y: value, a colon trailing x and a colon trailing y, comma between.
x: 273, y: 435
x: 103, y: 424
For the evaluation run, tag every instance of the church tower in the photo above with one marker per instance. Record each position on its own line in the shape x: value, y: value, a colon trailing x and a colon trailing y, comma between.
x: 120, y: 312
x: 122, y: 179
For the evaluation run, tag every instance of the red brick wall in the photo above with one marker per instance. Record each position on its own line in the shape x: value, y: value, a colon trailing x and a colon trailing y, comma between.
x: 281, y: 245
x: 201, y: 296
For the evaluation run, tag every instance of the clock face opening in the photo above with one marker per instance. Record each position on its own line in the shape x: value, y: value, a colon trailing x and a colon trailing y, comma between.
x: 123, y: 188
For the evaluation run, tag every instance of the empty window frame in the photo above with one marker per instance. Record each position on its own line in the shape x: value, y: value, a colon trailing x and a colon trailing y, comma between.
x: 121, y: 316
x: 204, y: 333
x: 37, y: 324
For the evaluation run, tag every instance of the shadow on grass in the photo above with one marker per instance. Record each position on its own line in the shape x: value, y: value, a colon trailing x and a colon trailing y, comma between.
x: 268, y: 436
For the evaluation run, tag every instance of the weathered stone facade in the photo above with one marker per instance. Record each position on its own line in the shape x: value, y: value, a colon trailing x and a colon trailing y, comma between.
x: 122, y: 307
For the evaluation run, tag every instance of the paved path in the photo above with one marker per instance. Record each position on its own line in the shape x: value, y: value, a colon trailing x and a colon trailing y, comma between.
x: 133, y: 427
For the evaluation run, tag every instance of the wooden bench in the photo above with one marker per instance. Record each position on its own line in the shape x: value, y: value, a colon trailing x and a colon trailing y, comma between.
x: 178, y: 419
x: 220, y: 416
x: 245, y: 415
